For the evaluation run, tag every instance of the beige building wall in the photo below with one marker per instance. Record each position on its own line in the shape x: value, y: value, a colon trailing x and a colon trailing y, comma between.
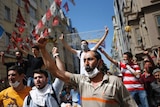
x: 40, y: 9
x: 142, y: 17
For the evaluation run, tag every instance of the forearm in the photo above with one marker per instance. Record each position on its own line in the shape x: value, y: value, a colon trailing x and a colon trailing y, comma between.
x: 68, y: 47
x: 49, y: 63
x: 51, y: 66
x: 59, y: 63
x: 110, y: 58
x: 101, y: 40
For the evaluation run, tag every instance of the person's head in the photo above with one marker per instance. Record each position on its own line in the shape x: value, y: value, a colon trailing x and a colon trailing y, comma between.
x: 148, y: 67
x: 156, y: 74
x: 15, y: 76
x: 18, y: 55
x: 93, y: 64
x: 35, y: 50
x: 40, y: 78
x: 84, y: 45
x: 127, y: 57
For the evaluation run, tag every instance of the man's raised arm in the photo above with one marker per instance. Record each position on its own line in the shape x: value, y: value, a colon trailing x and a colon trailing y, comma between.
x: 50, y: 63
x: 102, y: 39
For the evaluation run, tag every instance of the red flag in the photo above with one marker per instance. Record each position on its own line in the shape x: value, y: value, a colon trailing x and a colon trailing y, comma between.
x: 48, y: 14
x: 40, y: 24
x: 45, y: 32
x: 27, y: 4
x: 21, y: 29
x: 36, y: 36
x: 19, y: 39
x: 65, y: 6
x: 55, y: 21
x: 27, y: 40
x: 19, y: 19
x: 58, y: 2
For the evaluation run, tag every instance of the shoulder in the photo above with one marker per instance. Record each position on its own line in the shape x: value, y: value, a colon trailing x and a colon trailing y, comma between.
x: 6, y: 91
x: 114, y: 80
x: 78, y: 77
x: 28, y: 88
x: 79, y: 52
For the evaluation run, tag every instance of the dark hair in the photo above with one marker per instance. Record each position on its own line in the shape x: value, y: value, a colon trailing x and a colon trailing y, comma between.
x: 19, y: 69
x: 36, y: 47
x: 104, y: 67
x: 97, y: 55
x: 129, y: 54
x: 40, y: 71
x: 84, y: 40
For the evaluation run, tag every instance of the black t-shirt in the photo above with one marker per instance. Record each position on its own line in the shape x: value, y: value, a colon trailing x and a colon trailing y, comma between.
x: 23, y: 64
x: 33, y: 64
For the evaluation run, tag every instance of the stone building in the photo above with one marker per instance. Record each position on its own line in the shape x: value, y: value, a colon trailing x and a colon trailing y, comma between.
x: 137, y: 28
x: 33, y: 11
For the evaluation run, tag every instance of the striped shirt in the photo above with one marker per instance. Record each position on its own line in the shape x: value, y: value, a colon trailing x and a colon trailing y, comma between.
x: 110, y: 93
x: 130, y: 81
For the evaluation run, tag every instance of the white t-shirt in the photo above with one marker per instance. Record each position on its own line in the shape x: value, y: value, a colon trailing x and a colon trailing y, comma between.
x: 80, y: 55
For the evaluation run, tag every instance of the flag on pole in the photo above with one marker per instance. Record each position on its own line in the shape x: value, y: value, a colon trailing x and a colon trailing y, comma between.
x: 65, y: 6
x: 58, y: 2
x: 94, y: 41
x: 48, y: 14
x: 20, y: 22
x: 27, y: 4
x: 1, y: 32
x: 72, y: 1
x: 55, y: 21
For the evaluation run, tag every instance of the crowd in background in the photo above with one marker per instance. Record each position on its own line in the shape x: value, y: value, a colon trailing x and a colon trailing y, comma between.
x: 143, y: 84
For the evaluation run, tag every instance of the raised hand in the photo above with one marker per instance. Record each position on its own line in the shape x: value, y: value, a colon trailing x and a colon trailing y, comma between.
x: 106, y: 30
x: 41, y: 42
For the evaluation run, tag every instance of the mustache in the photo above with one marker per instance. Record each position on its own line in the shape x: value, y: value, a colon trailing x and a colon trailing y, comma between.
x: 88, y: 68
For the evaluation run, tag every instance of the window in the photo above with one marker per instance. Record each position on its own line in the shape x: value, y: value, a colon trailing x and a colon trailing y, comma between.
x: 158, y: 23
x: 7, y: 13
x: 7, y: 38
x: 138, y: 37
x: 41, y: 4
x: 32, y: 12
x: 18, y: 2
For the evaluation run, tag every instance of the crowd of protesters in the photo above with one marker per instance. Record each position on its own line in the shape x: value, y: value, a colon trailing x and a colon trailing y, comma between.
x: 30, y: 85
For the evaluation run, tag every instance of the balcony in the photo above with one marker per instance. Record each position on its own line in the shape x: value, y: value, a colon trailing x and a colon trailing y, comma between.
x: 133, y: 17
x: 127, y: 10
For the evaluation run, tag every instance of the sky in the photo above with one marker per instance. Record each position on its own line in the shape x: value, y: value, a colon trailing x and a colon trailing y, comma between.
x: 92, y: 15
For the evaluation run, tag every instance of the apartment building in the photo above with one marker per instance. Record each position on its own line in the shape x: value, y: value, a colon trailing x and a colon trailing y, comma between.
x: 33, y: 12
x: 142, y: 17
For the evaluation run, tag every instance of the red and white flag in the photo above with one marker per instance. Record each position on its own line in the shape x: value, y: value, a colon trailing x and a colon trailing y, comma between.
x: 55, y: 21
x: 65, y: 6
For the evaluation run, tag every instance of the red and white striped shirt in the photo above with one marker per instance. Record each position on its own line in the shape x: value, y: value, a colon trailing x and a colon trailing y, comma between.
x: 130, y: 81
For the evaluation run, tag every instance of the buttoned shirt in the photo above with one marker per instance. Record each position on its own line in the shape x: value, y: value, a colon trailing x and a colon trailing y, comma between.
x: 110, y: 93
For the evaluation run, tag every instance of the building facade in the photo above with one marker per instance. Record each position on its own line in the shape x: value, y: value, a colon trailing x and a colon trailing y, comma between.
x: 32, y: 12
x: 137, y: 27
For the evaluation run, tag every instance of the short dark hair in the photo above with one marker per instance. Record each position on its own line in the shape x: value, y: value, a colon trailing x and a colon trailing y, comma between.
x: 36, y: 47
x: 40, y: 71
x: 19, y: 69
x: 129, y: 54
x: 104, y: 67
x: 97, y: 55
x: 84, y: 40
